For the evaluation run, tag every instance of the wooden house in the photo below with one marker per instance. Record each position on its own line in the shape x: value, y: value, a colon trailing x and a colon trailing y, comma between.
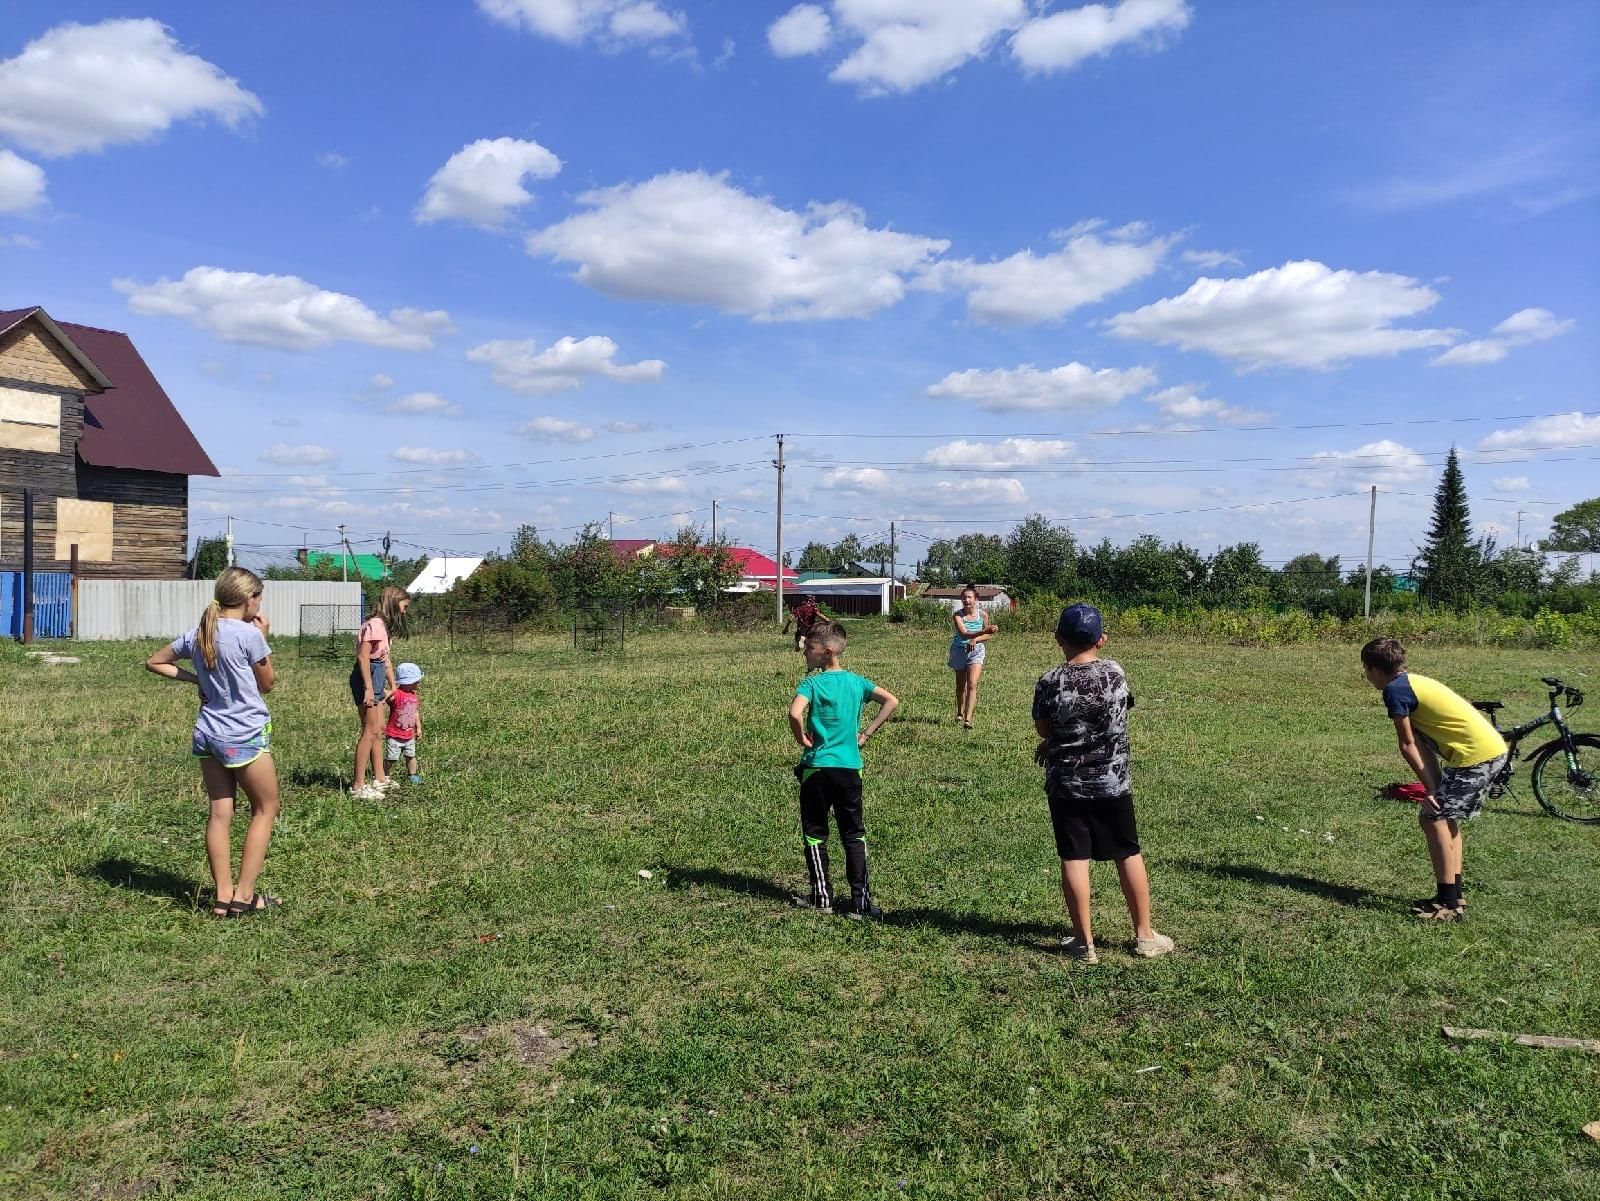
x: 86, y: 427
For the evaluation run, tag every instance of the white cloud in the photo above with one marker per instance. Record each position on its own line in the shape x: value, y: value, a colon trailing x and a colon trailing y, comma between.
x: 900, y: 45
x: 381, y: 381
x: 666, y: 485
x: 1072, y: 387
x: 1184, y: 408
x: 1302, y: 314
x: 693, y: 238
x: 1513, y: 483
x: 1376, y: 462
x: 80, y: 88
x: 804, y: 29
x: 627, y: 427
x: 280, y: 310
x: 1533, y: 325
x: 907, y: 43
x: 523, y: 367
x: 1028, y: 288
x: 297, y: 456
x: 1062, y: 40
x: 1568, y: 429
x: 21, y: 183
x: 865, y: 481
x: 418, y: 404
x: 332, y: 159
x: 1212, y: 259
x: 1010, y: 452
x: 286, y: 423
x: 21, y: 241
x: 1472, y: 354
x: 610, y: 22
x: 875, y: 482
x: 1522, y: 327
x: 555, y: 429
x: 429, y: 457
x: 482, y: 182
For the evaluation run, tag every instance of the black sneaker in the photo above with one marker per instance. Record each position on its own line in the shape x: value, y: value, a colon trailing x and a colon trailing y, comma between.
x: 820, y: 904
x: 861, y: 910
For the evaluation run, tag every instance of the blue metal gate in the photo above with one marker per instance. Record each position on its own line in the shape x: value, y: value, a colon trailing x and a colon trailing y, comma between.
x: 52, y: 604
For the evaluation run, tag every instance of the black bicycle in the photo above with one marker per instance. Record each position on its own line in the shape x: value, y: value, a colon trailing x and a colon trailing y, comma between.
x: 1566, y: 770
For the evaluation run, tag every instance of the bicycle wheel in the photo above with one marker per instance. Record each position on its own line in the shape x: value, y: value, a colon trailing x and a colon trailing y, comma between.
x: 1572, y: 793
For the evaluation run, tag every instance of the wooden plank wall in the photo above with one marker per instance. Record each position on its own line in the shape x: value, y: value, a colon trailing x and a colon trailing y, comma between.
x: 150, y: 524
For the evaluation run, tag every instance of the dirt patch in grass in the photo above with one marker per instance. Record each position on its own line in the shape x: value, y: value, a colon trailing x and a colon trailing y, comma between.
x: 530, y: 1044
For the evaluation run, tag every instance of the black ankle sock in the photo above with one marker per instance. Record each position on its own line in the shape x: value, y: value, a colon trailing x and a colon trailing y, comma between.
x: 1450, y: 894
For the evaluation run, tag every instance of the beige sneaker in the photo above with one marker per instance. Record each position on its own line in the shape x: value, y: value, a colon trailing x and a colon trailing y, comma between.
x: 1149, y: 948
x: 367, y: 792
x: 1075, y: 948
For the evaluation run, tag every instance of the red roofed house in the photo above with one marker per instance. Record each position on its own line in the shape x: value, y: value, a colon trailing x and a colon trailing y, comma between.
x: 85, y: 425
x: 756, y: 571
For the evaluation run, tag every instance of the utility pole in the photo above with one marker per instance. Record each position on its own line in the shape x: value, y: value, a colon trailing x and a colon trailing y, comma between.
x: 778, y: 580
x: 892, y: 564
x: 345, y: 557
x: 611, y: 525
x: 229, y: 539
x: 1372, y: 529
x: 1519, y: 529
x: 713, y: 520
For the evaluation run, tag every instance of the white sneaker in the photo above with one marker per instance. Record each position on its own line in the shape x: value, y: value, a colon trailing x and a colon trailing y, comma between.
x: 367, y: 792
x: 386, y: 785
x: 1150, y: 948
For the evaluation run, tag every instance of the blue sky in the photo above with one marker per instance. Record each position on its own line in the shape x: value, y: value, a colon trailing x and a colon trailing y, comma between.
x: 442, y: 268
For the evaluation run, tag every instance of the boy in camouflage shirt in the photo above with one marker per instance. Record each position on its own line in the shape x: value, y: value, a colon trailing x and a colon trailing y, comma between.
x: 1080, y: 712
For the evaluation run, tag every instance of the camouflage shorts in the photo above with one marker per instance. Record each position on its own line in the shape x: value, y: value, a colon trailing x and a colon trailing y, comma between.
x: 1462, y: 790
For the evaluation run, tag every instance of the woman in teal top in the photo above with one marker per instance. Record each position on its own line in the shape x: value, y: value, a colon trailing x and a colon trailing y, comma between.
x: 972, y: 629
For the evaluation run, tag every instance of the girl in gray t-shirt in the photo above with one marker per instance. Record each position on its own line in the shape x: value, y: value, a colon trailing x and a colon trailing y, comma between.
x: 233, y: 732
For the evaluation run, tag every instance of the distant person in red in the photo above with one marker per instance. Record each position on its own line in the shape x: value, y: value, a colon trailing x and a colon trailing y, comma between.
x: 804, y: 615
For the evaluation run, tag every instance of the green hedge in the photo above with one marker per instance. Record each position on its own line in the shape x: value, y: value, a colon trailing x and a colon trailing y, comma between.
x: 1264, y: 627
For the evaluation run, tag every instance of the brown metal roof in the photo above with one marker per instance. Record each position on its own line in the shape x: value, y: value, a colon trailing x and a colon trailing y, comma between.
x: 132, y: 424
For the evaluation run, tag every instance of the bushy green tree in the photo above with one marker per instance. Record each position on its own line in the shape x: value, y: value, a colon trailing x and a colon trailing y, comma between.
x: 815, y: 556
x: 1039, y: 556
x: 1237, y: 578
x: 1576, y: 529
x: 210, y: 557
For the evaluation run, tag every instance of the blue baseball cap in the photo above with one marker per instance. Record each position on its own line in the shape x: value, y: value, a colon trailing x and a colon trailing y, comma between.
x: 1080, y: 625
x: 407, y: 673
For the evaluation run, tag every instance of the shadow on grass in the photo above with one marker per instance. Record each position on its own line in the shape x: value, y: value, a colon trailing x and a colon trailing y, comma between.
x: 1344, y: 894
x: 316, y: 777
x: 145, y: 878
x: 1030, y: 934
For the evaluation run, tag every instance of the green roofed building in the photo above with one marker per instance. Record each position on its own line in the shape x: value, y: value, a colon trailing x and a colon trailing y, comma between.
x: 366, y: 567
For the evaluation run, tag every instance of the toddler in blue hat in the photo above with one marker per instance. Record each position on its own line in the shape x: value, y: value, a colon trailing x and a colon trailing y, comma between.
x: 405, y: 720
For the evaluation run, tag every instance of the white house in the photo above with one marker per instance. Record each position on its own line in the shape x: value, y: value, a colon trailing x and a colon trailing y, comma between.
x: 443, y: 573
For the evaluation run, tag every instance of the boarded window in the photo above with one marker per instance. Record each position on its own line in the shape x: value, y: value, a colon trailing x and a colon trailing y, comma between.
x: 88, y: 523
x: 30, y: 420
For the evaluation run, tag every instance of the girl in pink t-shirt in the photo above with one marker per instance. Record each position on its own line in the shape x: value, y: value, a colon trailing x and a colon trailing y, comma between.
x: 370, y: 682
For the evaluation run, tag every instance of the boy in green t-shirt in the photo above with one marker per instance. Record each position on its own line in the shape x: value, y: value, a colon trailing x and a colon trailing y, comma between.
x: 825, y: 718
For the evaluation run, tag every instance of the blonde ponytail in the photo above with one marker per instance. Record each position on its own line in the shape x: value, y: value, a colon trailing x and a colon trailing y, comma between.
x: 235, y: 587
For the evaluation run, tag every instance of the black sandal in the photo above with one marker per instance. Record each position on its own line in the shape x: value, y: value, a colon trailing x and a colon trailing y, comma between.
x: 250, y: 908
x: 220, y: 909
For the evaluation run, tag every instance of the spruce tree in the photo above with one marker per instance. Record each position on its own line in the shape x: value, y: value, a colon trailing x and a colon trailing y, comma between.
x: 1447, y: 565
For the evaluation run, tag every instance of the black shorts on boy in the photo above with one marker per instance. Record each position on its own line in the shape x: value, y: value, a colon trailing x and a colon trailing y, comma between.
x: 1100, y: 828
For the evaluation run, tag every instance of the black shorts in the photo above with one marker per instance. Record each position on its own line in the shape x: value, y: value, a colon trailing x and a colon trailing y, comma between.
x: 1101, y: 828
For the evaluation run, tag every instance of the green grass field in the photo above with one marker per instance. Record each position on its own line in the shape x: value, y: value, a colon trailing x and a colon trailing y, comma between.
x: 473, y: 993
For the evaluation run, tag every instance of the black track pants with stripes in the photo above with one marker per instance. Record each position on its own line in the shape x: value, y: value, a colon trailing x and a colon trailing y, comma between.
x: 837, y: 789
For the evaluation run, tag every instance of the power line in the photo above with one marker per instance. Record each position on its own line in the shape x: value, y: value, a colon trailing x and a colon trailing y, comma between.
x: 335, y: 490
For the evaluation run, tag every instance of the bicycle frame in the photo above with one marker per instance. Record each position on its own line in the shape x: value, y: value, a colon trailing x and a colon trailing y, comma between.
x: 1515, y: 734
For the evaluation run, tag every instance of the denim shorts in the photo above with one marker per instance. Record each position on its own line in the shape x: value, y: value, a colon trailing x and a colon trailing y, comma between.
x: 397, y: 748
x: 358, y: 688
x: 963, y: 655
x: 232, y: 754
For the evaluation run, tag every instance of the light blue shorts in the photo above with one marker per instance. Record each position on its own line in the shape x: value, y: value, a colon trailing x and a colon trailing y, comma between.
x: 233, y: 754
x: 961, y: 656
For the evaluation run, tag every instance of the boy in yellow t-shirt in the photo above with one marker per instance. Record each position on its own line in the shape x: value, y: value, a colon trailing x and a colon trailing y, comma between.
x: 1454, y: 750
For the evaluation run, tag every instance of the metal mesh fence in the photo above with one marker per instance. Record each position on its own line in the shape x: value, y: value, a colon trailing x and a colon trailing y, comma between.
x: 600, y: 628
x: 482, y: 631
x: 329, y: 632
